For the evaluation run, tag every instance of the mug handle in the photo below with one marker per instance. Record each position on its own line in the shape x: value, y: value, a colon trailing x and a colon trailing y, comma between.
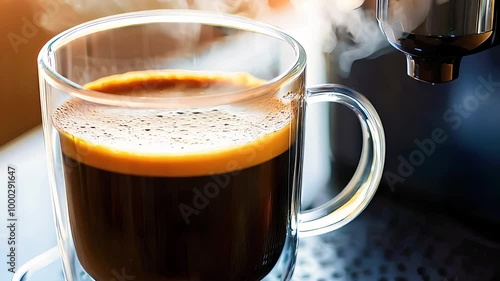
x: 349, y: 203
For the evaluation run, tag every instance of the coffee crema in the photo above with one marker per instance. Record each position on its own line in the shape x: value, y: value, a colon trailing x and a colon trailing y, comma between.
x: 157, y: 142
x: 191, y: 194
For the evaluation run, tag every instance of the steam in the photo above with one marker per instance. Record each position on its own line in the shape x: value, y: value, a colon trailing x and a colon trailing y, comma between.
x: 345, y: 29
x: 352, y: 32
x: 67, y: 13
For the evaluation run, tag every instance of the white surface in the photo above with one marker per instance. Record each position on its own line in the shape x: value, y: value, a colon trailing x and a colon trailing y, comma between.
x: 35, y: 232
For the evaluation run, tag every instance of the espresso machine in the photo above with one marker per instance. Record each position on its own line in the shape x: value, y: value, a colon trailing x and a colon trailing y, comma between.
x: 436, y: 34
x: 449, y: 106
x: 432, y: 71
x: 434, y: 77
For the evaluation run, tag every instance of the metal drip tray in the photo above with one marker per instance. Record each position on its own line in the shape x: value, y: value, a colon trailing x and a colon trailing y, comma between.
x: 391, y: 243
x: 386, y: 243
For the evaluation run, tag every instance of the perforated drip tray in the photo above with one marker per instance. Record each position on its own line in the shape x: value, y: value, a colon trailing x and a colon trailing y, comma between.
x: 390, y: 243
x: 385, y: 243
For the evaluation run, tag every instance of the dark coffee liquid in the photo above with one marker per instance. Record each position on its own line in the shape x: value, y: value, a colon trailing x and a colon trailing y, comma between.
x: 236, y: 230
x: 159, y: 217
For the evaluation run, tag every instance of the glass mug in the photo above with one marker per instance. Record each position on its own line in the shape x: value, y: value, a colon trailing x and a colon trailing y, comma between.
x: 174, y: 141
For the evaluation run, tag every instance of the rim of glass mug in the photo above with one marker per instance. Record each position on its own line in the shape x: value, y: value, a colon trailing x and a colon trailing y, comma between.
x: 46, y: 56
x: 333, y: 214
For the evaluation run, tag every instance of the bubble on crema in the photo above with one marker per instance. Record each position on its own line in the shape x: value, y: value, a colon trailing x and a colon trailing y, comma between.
x: 173, y: 131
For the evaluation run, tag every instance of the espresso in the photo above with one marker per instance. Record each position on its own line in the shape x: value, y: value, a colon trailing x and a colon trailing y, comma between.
x: 184, y: 194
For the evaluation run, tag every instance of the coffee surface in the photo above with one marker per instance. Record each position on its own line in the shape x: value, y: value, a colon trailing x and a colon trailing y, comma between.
x: 169, y: 142
x: 191, y: 194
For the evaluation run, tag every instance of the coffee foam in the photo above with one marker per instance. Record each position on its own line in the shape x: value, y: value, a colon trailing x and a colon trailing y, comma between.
x: 188, y: 142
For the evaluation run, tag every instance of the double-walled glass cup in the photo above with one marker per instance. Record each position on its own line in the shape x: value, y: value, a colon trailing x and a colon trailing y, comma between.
x: 175, y: 140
